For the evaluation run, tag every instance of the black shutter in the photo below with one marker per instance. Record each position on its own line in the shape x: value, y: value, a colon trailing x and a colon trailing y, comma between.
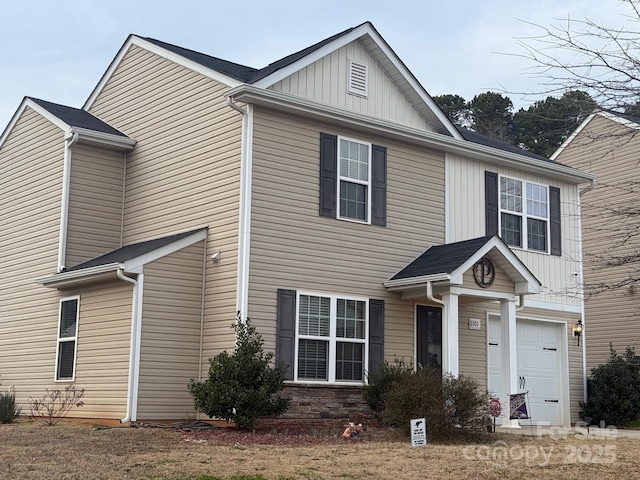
x: 286, y: 330
x: 379, y: 186
x: 554, y: 224
x: 376, y: 335
x: 491, y: 202
x: 328, y: 174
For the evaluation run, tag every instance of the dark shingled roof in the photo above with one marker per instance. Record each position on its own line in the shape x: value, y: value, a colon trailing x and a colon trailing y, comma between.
x: 128, y: 252
x: 480, y: 139
x: 243, y: 73
x: 442, y: 258
x: 76, y: 117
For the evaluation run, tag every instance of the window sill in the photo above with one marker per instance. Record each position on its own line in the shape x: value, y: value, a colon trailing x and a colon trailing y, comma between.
x: 295, y: 383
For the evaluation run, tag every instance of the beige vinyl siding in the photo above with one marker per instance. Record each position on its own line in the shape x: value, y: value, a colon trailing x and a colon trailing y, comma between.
x: 610, y: 151
x: 466, y: 211
x: 473, y: 343
x: 171, y: 323
x: 95, y: 203
x: 31, y: 163
x: 104, y: 336
x: 184, y: 172
x: 293, y: 247
x: 325, y: 81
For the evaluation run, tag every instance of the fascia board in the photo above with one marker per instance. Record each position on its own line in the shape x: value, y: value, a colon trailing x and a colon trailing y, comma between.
x: 302, y: 106
x: 75, y: 276
x: 162, y: 52
x: 27, y: 102
x: 135, y: 263
x: 403, y: 283
x: 101, y: 138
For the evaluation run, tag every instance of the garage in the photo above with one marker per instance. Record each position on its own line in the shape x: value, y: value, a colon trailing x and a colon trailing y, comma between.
x: 540, y: 369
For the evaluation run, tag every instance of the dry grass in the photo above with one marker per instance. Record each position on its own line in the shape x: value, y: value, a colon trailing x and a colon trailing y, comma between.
x: 31, y: 450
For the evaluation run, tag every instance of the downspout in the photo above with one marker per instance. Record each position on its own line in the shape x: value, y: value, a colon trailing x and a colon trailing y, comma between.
x: 244, y: 224
x: 581, y: 289
x: 134, y: 348
x: 64, y: 204
x: 520, y: 303
x: 430, y: 295
x: 202, y: 296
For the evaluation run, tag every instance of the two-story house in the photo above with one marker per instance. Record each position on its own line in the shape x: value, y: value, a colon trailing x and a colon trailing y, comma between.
x: 606, y: 145
x: 325, y: 196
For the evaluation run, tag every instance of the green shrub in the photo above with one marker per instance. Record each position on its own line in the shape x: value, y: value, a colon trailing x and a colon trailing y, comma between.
x: 9, y: 409
x: 451, y: 406
x: 380, y: 383
x: 242, y: 386
x: 614, y: 390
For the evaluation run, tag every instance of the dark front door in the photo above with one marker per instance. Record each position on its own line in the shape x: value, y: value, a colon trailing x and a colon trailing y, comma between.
x: 429, y: 337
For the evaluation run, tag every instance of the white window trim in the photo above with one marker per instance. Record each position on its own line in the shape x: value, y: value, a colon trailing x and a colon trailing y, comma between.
x: 67, y: 339
x: 332, y: 339
x: 352, y: 180
x: 525, y: 214
x: 350, y: 88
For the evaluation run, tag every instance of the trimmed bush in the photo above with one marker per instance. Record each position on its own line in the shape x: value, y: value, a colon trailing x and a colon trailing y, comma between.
x: 242, y: 386
x: 453, y: 407
x: 614, y: 390
x: 9, y: 409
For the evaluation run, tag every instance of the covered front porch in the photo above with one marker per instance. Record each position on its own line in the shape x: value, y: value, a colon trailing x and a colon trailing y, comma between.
x: 448, y: 279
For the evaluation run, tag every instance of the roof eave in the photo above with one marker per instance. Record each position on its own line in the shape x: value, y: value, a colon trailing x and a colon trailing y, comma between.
x: 79, y: 276
x: 302, y: 106
x: 117, y: 142
x: 413, y: 282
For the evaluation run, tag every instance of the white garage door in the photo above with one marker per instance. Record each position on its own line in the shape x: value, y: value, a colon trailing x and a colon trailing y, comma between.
x: 538, y: 346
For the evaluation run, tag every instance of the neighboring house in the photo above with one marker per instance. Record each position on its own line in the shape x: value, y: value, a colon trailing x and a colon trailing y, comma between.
x: 607, y: 145
x: 325, y: 196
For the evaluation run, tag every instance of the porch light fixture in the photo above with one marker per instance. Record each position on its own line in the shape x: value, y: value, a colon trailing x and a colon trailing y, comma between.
x: 577, y: 330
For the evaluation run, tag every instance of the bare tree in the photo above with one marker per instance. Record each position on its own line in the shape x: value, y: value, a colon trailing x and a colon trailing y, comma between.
x: 584, y: 55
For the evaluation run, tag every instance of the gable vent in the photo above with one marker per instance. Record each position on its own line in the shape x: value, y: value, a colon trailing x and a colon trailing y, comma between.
x: 357, y: 78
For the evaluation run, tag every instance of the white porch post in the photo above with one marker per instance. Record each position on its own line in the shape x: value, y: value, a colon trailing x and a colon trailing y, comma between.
x: 450, y: 346
x: 508, y: 357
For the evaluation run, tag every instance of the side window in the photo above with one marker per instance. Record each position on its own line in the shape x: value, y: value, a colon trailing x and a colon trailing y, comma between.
x: 67, y: 338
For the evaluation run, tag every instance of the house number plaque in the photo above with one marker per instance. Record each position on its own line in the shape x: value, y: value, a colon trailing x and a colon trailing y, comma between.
x: 484, y: 273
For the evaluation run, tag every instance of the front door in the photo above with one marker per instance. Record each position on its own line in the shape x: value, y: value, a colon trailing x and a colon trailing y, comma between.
x: 429, y: 337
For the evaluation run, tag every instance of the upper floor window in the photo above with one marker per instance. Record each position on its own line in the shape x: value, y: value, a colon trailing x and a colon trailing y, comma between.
x: 353, y: 179
x: 67, y: 339
x: 524, y: 214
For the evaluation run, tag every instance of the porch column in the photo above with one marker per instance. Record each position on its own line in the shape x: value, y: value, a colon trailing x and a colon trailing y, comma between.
x: 450, y: 357
x: 508, y: 357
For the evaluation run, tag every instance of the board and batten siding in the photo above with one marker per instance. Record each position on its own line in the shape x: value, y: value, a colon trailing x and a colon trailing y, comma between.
x: 184, y: 171
x: 325, y: 81
x: 171, y: 325
x: 31, y: 165
x: 95, y: 203
x: 466, y: 211
x: 104, y: 336
x: 293, y: 247
x: 609, y: 150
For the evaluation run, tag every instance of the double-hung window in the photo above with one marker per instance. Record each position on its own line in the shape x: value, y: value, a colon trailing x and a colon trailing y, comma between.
x: 67, y: 338
x: 331, y: 338
x: 354, y: 174
x: 524, y: 214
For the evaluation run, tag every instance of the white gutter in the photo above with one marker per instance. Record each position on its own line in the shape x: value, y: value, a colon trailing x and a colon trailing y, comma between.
x: 134, y: 347
x: 244, y: 221
x: 64, y: 203
x: 283, y: 101
x: 581, y: 290
x: 416, y: 281
x: 73, y: 276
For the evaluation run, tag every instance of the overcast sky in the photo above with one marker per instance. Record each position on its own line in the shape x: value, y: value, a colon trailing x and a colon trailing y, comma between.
x: 58, y: 50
